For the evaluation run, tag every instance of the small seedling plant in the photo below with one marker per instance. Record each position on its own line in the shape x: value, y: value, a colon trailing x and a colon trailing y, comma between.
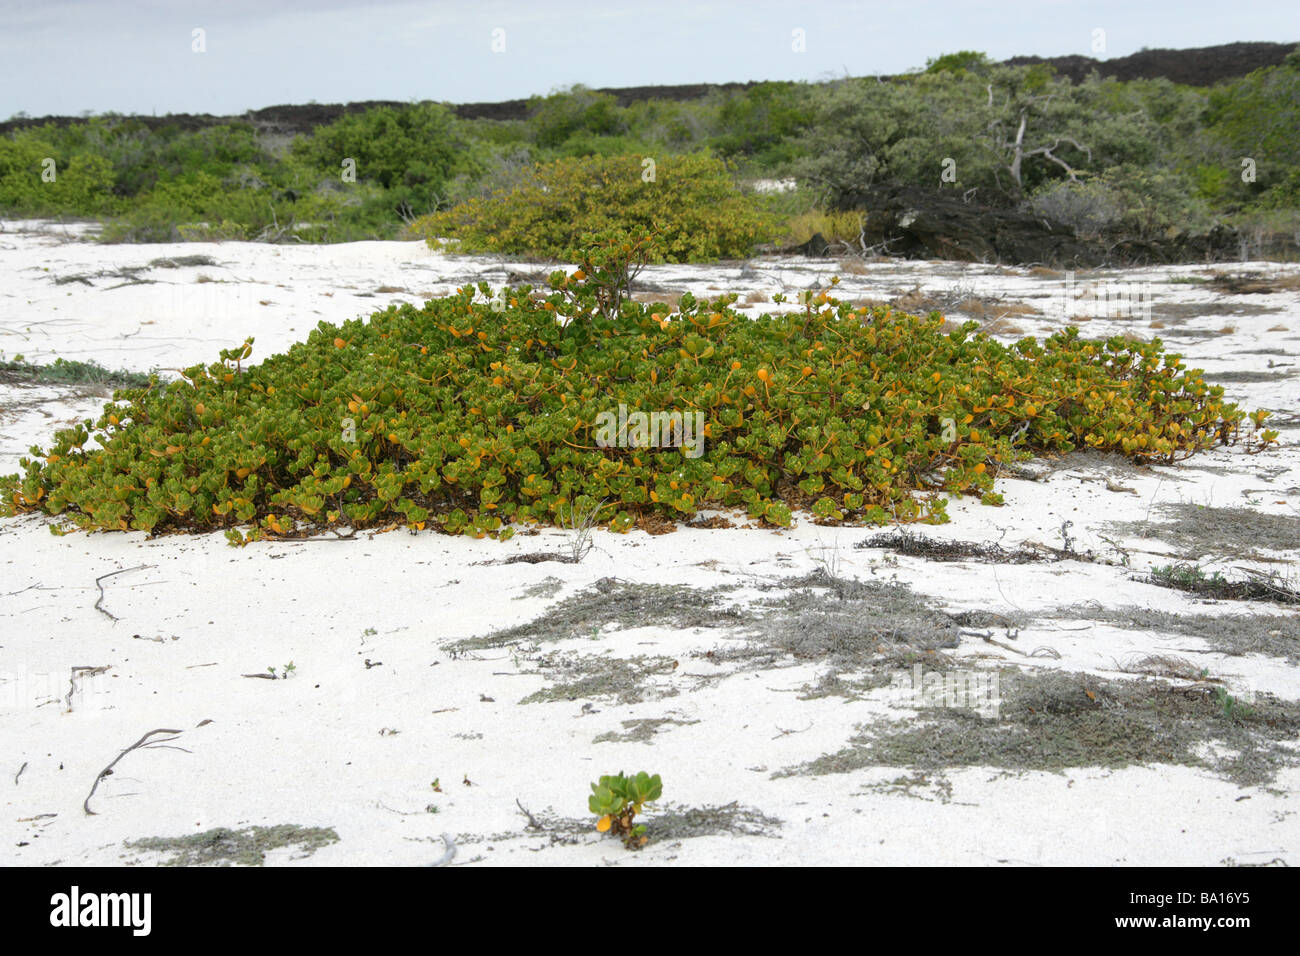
x: 616, y: 800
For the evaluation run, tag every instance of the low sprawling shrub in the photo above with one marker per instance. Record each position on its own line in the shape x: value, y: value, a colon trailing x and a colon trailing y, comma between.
x: 693, y: 200
x: 479, y: 411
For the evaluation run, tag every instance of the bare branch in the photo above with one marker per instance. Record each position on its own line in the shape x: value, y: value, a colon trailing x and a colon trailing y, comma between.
x: 103, y: 577
x: 142, y: 742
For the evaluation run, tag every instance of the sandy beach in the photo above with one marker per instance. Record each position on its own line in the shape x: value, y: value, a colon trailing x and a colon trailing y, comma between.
x: 448, y: 704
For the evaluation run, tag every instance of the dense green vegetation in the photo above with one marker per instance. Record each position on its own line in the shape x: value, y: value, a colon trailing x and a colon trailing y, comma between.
x: 483, y: 410
x: 691, y: 201
x: 1141, y: 157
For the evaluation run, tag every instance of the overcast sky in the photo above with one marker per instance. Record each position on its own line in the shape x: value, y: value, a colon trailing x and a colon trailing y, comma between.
x: 65, y: 57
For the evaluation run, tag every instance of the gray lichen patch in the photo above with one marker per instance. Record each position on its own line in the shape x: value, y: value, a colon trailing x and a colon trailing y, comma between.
x: 1199, y: 530
x: 1274, y: 635
x: 916, y: 785
x: 640, y: 731
x: 1244, y: 377
x: 611, y: 602
x: 850, y: 626
x: 247, y: 847
x: 673, y: 823
x: 859, y: 628
x: 1054, y: 721
x: 544, y: 588
x: 595, y: 677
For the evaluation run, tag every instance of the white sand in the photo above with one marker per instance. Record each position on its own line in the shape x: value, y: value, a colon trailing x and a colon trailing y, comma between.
x: 318, y: 749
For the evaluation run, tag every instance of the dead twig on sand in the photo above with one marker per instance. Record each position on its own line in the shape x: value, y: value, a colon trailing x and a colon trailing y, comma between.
x: 987, y: 637
x: 142, y: 742
x: 532, y: 820
x: 82, y: 671
x: 98, y: 583
x: 787, y: 733
x: 20, y: 772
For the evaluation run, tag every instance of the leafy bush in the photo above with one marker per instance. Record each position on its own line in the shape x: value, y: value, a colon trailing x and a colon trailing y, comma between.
x: 478, y: 412
x: 764, y: 123
x: 559, y: 116
x: 1089, y: 208
x: 1152, y: 201
x: 692, y: 201
x: 82, y: 184
x: 1009, y: 132
x: 969, y: 61
x: 411, y: 152
x: 1258, y: 116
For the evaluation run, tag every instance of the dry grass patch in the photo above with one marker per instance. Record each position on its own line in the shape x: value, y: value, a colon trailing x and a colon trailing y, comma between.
x: 1254, y: 283
x: 1001, y: 326
x: 655, y: 298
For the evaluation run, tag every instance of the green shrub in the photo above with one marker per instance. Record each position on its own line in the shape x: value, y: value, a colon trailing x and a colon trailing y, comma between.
x: 479, y: 412
x: 764, y: 123
x: 82, y: 183
x: 692, y: 200
x: 411, y: 151
x: 559, y: 116
x: 1258, y: 116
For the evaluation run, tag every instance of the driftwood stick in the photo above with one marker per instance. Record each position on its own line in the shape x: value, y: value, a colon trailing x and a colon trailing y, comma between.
x: 142, y: 742
x: 83, y: 670
x: 98, y: 584
x: 532, y: 820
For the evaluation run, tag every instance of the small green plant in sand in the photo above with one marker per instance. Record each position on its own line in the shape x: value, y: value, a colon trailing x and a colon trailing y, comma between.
x: 616, y: 800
